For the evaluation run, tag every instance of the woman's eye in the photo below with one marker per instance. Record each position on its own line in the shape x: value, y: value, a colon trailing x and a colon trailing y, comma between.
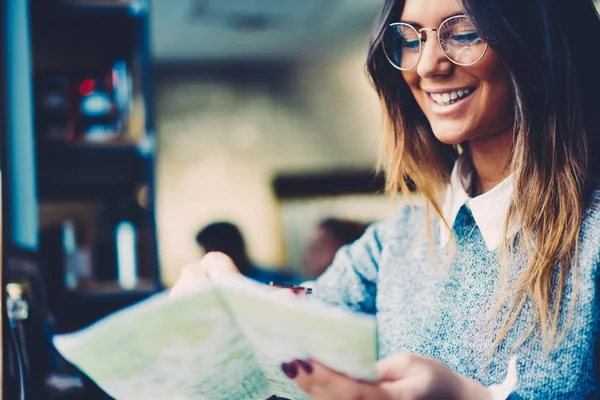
x: 410, y: 44
x: 465, y: 38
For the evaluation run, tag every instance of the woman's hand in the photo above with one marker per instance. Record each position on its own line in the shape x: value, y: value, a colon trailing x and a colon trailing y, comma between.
x: 403, y: 376
x: 411, y: 376
x: 212, y: 266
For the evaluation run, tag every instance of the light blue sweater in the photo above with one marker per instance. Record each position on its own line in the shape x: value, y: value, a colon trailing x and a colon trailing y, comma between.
x: 443, y: 312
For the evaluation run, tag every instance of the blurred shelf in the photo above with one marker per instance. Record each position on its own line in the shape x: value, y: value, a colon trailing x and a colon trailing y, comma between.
x: 78, y: 39
x: 80, y: 309
x: 128, y: 8
x: 332, y: 183
x: 133, y: 9
x: 142, y: 149
x: 112, y: 288
x: 75, y: 172
x: 73, y: 39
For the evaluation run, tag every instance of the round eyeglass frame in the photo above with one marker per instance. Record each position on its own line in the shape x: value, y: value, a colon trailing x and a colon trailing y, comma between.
x: 423, y: 39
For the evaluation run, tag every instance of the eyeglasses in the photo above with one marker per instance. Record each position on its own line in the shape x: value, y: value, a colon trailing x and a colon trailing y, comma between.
x: 460, y: 43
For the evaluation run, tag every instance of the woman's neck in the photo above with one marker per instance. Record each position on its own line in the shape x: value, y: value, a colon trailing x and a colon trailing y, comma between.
x: 489, y: 156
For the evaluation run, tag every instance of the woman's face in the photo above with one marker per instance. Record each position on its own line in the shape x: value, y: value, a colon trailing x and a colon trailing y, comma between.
x: 486, y: 112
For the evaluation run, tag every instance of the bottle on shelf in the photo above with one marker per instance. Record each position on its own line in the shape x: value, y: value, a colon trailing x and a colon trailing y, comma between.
x: 126, y: 245
x: 77, y: 256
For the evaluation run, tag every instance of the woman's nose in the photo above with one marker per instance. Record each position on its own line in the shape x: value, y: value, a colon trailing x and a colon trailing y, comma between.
x: 433, y: 61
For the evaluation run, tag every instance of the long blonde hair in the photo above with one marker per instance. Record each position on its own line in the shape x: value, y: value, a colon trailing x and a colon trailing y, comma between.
x: 553, y: 89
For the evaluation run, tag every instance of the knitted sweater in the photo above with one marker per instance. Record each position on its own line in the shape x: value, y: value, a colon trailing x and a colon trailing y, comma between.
x: 440, y: 307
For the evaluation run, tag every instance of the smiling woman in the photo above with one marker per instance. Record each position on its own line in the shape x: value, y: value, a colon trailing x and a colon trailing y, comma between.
x: 491, y: 113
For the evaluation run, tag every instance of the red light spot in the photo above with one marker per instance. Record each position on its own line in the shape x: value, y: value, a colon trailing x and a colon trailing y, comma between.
x: 87, y: 87
x: 115, y: 79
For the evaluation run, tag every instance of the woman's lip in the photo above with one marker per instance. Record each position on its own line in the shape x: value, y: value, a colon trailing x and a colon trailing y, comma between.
x: 440, y: 91
x: 446, y: 111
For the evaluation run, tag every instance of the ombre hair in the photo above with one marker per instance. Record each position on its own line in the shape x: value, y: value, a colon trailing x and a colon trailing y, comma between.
x: 551, y: 50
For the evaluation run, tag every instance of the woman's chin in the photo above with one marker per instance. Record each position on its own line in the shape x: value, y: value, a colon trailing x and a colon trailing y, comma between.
x: 451, y: 138
x: 450, y: 132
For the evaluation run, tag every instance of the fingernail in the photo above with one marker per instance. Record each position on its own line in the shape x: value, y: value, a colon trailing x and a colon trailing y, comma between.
x: 306, y: 366
x: 289, y: 370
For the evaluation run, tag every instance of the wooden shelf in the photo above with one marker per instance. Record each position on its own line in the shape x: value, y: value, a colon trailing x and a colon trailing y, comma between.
x: 332, y: 183
x: 128, y: 8
x: 86, y: 308
x: 143, y: 148
x: 75, y: 40
x: 76, y: 172
x: 144, y: 285
x: 133, y: 8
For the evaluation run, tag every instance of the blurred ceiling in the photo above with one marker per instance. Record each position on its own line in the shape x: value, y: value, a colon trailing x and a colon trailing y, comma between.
x: 258, y: 30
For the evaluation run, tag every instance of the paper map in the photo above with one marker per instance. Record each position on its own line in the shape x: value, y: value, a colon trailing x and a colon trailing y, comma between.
x: 225, y: 341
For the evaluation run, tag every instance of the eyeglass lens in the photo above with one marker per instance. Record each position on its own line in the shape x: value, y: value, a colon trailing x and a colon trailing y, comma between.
x: 457, y: 38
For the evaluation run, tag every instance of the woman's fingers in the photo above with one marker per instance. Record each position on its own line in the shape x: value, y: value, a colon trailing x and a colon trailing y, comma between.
x: 314, y: 378
x: 217, y: 265
x: 190, y: 280
x: 211, y: 267
x: 322, y: 383
x: 397, y: 366
x: 413, y: 376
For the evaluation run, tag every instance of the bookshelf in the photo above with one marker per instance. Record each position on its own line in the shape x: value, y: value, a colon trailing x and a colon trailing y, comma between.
x: 95, y: 155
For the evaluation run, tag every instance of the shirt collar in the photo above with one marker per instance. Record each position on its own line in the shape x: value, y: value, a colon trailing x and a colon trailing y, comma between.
x: 489, y: 209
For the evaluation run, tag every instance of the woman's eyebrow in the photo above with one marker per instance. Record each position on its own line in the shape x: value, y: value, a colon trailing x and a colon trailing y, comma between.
x: 417, y: 25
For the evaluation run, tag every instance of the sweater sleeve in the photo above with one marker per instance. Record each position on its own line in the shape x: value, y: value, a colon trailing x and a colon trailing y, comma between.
x: 351, y: 281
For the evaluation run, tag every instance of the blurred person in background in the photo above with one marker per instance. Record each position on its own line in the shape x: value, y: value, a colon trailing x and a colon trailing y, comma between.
x: 225, y: 237
x: 323, y: 242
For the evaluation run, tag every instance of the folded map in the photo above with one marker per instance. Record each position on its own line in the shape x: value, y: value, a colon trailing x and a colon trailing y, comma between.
x: 226, y: 340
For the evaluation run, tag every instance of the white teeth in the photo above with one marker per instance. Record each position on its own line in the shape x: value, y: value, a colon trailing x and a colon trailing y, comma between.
x: 445, y: 99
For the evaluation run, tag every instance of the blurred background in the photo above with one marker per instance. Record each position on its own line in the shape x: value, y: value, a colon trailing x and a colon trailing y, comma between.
x: 137, y: 135
x: 251, y: 95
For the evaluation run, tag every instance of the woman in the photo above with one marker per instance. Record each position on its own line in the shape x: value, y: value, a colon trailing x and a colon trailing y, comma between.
x: 493, y: 115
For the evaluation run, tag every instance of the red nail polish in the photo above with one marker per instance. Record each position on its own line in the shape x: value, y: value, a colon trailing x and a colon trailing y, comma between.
x: 289, y: 370
x: 306, y: 366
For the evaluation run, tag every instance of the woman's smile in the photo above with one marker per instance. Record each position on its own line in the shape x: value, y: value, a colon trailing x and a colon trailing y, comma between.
x: 447, y: 102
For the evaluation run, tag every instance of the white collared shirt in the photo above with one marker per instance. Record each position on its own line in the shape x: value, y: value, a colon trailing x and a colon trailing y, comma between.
x: 489, y: 209
x: 489, y: 212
